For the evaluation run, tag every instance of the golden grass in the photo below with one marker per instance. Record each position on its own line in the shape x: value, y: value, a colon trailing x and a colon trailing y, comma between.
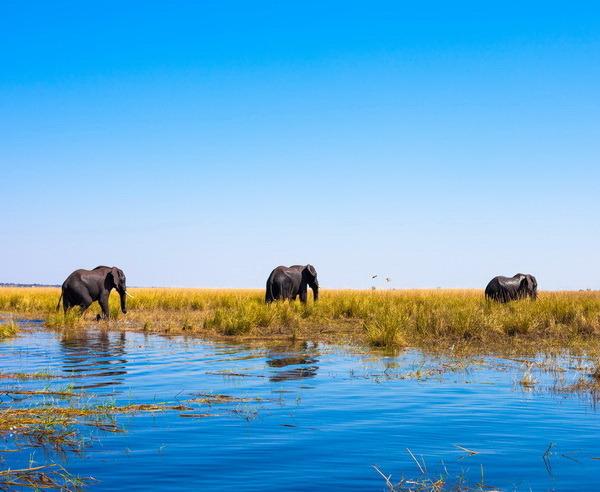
x: 385, y: 319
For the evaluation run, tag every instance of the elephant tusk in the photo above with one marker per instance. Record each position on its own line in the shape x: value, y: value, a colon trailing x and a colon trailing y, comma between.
x: 129, y: 295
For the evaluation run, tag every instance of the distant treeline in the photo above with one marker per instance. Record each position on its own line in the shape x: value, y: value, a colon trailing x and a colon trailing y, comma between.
x: 10, y: 284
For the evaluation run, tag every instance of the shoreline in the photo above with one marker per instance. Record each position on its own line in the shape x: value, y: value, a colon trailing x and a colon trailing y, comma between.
x: 438, y: 320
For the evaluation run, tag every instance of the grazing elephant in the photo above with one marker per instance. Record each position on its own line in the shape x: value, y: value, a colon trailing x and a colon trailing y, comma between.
x: 83, y: 287
x: 290, y: 282
x: 506, y: 289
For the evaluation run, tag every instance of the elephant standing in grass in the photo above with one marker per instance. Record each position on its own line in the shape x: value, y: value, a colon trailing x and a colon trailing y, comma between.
x: 506, y: 289
x: 291, y: 282
x: 83, y: 287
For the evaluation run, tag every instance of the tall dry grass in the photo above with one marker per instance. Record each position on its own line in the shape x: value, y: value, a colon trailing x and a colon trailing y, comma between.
x: 385, y: 319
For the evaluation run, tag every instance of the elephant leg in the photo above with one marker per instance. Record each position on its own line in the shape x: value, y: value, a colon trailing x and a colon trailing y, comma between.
x: 285, y: 291
x: 83, y: 305
x: 66, y: 303
x: 303, y: 296
x: 103, y: 301
x: 81, y: 299
x: 70, y: 301
x: 274, y: 292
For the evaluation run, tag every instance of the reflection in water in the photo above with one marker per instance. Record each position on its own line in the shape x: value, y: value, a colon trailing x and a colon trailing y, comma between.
x: 291, y: 361
x: 95, y: 354
x: 280, y: 357
x: 292, y: 374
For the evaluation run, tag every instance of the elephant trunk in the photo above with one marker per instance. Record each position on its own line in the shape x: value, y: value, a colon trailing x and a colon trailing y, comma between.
x: 315, y: 289
x: 123, y: 297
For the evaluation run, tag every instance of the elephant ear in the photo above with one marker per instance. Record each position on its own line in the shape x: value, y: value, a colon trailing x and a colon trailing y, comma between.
x: 311, y: 271
x: 524, y: 284
x: 114, y: 273
x: 533, y: 281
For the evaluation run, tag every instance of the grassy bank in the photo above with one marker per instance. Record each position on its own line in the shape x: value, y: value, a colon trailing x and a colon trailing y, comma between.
x: 386, y: 319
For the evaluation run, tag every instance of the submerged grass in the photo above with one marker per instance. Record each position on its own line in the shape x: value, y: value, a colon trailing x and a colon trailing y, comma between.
x: 389, y: 320
x: 56, y: 427
x: 8, y: 329
x: 24, y: 376
x: 48, y: 418
x: 51, y: 476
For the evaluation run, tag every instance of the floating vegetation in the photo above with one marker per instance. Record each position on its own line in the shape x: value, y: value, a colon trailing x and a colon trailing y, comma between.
x: 212, y: 399
x: 50, y: 476
x: 68, y: 392
x: 22, y: 420
x: 247, y: 413
x: 234, y: 374
x: 55, y: 427
x: 24, y: 376
x: 422, y: 371
x: 469, y: 452
x: 198, y: 415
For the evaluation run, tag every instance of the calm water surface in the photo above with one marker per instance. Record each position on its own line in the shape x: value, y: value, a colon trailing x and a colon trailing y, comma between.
x: 317, y: 418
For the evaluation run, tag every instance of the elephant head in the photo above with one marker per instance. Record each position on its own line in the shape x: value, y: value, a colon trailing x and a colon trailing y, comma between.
x: 116, y: 279
x: 309, y: 275
x: 528, y: 286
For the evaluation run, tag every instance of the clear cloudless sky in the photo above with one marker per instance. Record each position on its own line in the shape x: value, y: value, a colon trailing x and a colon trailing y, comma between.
x: 203, y: 143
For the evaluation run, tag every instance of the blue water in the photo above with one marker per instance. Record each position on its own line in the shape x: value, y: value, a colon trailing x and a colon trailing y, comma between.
x: 326, y: 415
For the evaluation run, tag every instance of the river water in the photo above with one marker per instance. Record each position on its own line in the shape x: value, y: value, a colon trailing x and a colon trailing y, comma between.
x: 304, y: 417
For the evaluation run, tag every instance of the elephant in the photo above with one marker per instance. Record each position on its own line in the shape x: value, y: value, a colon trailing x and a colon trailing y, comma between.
x: 506, y: 289
x: 83, y: 287
x: 291, y: 282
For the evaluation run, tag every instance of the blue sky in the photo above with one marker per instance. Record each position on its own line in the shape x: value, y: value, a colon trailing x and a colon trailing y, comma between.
x: 203, y: 143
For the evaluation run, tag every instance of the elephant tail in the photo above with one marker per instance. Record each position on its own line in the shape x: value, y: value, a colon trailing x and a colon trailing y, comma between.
x: 59, y: 299
x: 269, y: 297
x: 269, y: 294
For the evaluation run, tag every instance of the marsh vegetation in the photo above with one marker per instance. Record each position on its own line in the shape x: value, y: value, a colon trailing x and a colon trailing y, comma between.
x: 429, y: 319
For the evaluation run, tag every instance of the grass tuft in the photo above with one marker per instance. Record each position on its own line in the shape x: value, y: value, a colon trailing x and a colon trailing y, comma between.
x: 8, y: 329
x: 385, y: 329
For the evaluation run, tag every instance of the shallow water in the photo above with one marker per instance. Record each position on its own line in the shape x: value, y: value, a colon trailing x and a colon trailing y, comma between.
x: 325, y: 416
